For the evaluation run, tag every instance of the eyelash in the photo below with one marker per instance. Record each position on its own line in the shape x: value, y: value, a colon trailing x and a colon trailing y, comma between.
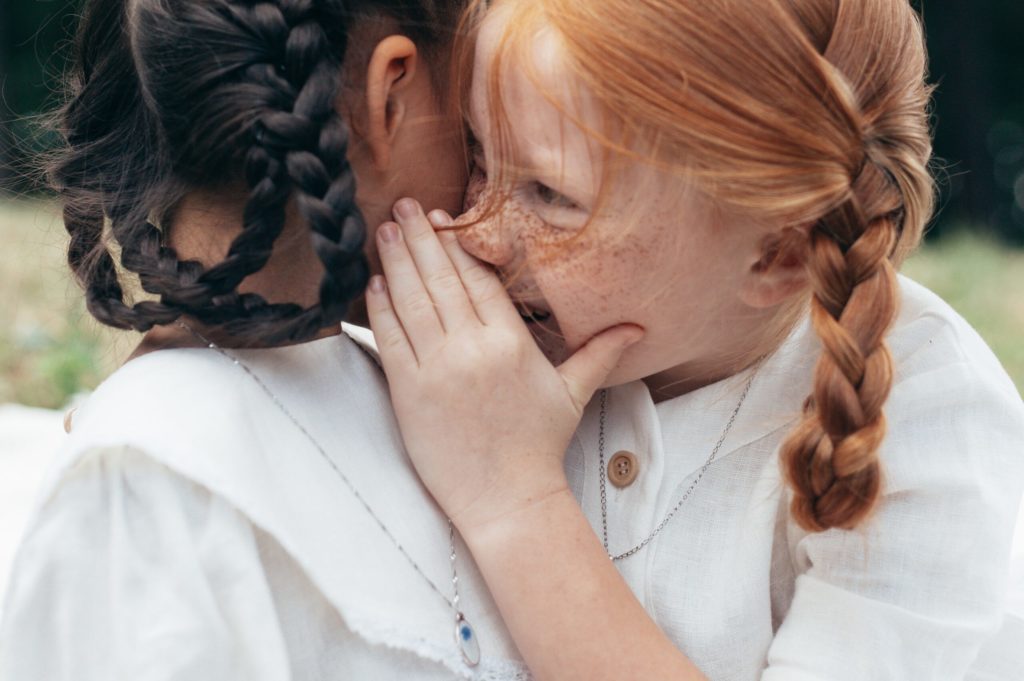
x: 553, y: 198
x: 544, y: 194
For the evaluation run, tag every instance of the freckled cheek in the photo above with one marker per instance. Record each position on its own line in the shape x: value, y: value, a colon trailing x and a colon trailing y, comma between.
x: 611, y: 276
x: 588, y: 293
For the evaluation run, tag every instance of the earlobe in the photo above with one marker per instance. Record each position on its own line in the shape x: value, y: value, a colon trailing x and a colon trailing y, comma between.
x: 391, y: 70
x: 779, y: 273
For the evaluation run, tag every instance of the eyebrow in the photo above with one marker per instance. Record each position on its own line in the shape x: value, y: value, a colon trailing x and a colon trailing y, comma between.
x: 543, y: 169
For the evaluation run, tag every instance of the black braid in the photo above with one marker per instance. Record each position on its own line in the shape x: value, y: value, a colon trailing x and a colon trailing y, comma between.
x: 208, y: 92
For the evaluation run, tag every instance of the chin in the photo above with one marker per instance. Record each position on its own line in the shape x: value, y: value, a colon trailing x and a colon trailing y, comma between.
x: 557, y: 351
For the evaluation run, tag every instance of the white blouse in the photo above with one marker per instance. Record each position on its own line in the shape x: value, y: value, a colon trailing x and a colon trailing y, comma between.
x: 746, y: 594
x: 190, y: 532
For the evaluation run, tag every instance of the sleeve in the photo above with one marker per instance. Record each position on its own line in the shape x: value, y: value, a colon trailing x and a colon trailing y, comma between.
x: 132, y: 572
x: 917, y: 591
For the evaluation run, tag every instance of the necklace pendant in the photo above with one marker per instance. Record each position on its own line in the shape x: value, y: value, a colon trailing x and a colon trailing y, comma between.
x: 465, y: 637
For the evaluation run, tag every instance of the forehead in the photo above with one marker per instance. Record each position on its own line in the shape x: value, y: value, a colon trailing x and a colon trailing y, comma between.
x: 547, y: 110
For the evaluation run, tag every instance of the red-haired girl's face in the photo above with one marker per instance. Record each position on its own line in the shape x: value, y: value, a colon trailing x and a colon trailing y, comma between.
x: 650, y: 252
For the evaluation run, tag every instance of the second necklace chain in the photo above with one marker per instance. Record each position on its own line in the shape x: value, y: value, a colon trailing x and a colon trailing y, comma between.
x: 689, y: 490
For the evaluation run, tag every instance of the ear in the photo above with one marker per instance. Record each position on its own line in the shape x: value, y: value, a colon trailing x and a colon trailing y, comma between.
x: 779, y: 269
x: 391, y: 70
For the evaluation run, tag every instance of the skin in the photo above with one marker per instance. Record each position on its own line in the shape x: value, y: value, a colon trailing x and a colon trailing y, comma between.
x: 655, y: 253
x: 404, y: 142
x: 672, y: 300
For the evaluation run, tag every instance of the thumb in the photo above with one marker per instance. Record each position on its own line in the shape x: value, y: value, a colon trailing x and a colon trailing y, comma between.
x: 587, y: 370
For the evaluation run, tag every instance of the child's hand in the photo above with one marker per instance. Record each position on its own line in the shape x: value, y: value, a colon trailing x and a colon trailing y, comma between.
x: 485, y: 416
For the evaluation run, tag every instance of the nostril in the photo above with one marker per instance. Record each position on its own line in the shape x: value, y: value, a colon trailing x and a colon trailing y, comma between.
x: 481, y: 239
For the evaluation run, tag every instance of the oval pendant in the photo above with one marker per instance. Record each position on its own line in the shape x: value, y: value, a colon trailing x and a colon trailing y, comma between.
x: 465, y: 636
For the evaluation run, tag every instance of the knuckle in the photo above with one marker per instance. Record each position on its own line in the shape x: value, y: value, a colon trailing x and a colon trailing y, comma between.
x: 378, y: 304
x: 391, y: 340
x: 445, y: 279
x: 419, y: 305
x: 493, y: 295
x: 416, y: 234
x: 477, y: 274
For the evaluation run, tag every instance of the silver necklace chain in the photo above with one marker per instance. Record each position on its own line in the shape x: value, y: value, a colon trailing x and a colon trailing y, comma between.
x: 463, y: 631
x: 689, y: 490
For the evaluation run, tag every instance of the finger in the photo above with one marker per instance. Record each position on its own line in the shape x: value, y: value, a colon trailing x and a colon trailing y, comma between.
x: 589, y: 367
x: 489, y: 298
x: 396, y: 352
x: 435, y: 267
x: 412, y: 304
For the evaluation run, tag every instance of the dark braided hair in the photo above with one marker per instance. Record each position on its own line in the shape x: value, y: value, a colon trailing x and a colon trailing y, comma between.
x: 168, y: 96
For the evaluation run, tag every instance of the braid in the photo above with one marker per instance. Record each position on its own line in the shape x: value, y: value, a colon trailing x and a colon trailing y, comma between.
x: 831, y: 458
x: 105, y: 107
x: 203, y: 94
x: 290, y: 141
x: 804, y: 113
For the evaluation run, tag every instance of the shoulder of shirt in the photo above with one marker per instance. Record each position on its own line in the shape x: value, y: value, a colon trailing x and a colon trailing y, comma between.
x: 164, y: 390
x: 932, y: 344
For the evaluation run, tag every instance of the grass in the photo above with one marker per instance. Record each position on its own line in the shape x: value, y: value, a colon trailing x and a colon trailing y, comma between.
x: 50, y: 349
x: 984, y: 282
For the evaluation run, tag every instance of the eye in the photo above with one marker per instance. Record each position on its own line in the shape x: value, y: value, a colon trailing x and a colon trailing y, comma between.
x: 476, y: 153
x: 553, y: 198
x: 479, y: 163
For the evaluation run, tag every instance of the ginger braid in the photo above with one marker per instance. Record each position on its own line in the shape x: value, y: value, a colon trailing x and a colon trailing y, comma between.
x: 811, y: 117
x: 831, y: 458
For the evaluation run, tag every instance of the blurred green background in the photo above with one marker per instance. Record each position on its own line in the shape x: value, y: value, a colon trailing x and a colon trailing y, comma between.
x: 50, y: 349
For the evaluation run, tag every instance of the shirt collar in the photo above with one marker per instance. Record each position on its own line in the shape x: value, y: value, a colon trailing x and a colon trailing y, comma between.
x: 694, y: 422
x: 286, y: 488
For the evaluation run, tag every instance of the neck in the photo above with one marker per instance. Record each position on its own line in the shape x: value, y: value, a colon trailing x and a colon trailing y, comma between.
x: 769, y: 330
x: 685, y: 378
x: 203, y: 228
x: 205, y: 225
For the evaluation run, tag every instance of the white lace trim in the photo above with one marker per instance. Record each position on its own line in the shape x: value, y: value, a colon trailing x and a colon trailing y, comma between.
x: 489, y: 669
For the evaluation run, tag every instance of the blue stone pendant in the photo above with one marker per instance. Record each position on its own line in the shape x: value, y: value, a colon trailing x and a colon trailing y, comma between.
x: 465, y: 636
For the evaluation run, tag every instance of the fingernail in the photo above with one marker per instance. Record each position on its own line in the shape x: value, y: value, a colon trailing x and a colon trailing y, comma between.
x: 388, y: 233
x: 377, y: 284
x: 439, y: 218
x: 406, y: 208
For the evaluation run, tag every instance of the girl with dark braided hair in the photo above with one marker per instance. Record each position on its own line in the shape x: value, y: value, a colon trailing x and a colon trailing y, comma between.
x: 791, y: 464
x: 235, y: 502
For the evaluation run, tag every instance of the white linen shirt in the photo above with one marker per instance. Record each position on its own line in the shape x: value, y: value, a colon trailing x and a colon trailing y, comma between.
x: 190, y: 533
x: 747, y: 594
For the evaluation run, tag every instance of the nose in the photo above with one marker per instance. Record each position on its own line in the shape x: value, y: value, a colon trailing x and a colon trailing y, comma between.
x: 485, y: 232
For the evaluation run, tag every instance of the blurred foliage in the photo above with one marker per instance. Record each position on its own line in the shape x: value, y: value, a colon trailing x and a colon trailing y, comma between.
x: 50, y: 348
x: 982, y: 280
x: 35, y: 41
x: 977, y: 61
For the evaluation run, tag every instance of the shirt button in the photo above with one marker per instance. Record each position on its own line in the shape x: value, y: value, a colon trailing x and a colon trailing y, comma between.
x: 623, y: 469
